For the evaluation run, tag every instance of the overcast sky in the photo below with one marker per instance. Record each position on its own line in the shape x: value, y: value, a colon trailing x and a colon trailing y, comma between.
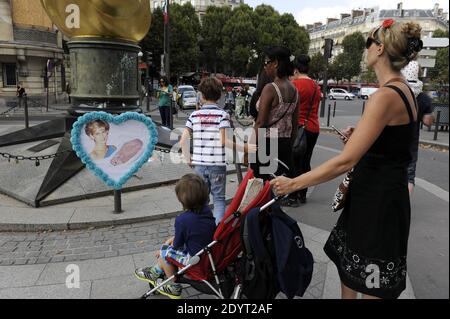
x: 307, y: 12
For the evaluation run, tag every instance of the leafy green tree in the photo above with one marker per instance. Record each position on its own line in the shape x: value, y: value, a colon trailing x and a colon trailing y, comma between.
x: 439, y: 74
x: 239, y: 36
x: 184, y: 42
x: 317, y: 66
x: 351, y: 59
x: 212, y: 36
x: 268, y: 29
x: 154, y: 40
x: 369, y: 76
x: 293, y: 36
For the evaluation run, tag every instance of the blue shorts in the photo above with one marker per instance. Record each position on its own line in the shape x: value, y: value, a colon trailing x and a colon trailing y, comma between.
x: 179, y: 256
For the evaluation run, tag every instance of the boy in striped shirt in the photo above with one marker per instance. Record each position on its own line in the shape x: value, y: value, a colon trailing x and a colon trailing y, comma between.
x: 208, y: 127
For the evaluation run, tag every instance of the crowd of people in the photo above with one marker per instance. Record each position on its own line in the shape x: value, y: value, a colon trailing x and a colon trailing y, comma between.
x: 373, y: 228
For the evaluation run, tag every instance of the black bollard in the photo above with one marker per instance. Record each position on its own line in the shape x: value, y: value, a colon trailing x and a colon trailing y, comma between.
x: 436, y: 127
x: 27, y: 122
x: 118, y: 202
x: 363, y: 107
x: 334, y: 109
x: 329, y: 114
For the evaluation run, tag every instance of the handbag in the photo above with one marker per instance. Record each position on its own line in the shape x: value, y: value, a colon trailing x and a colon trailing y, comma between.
x: 342, y: 192
x: 301, y: 144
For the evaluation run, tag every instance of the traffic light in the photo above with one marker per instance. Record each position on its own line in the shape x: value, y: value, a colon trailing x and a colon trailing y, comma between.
x: 149, y: 56
x: 328, y: 49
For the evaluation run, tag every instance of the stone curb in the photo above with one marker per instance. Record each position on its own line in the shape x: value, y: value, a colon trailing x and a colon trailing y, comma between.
x: 121, y: 220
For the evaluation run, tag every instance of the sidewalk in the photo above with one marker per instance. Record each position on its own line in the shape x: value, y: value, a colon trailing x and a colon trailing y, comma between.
x: 113, y: 278
x: 34, y: 265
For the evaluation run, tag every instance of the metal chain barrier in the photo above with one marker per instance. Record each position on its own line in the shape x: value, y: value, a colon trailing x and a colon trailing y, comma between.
x: 36, y: 159
x: 5, y: 113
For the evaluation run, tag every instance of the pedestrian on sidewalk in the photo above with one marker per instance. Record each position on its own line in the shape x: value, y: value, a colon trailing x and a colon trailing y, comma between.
x: 277, y: 115
x: 425, y: 110
x: 370, y: 240
x: 20, y: 93
x: 194, y: 230
x: 164, y: 94
x: 208, y: 128
x: 310, y: 96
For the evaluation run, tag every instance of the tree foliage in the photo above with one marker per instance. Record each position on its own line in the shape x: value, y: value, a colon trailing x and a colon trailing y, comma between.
x: 229, y: 41
x: 439, y: 74
x: 317, y: 66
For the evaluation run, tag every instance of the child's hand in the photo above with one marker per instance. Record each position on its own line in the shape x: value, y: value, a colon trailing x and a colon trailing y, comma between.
x: 252, y: 148
x: 157, y: 254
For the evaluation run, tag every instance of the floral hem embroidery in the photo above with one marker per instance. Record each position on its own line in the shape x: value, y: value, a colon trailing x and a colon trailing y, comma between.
x: 356, y: 267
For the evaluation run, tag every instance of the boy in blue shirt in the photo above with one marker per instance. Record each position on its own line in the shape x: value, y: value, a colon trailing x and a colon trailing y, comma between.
x: 194, y: 230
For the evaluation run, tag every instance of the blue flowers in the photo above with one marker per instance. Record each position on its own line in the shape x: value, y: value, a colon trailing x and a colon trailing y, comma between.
x: 77, y: 130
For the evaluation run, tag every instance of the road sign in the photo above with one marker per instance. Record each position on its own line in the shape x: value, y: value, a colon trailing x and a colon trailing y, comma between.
x: 435, y: 42
x: 426, y: 63
x: 426, y: 52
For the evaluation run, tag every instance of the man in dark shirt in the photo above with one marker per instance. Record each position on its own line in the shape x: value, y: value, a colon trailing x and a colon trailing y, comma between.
x: 20, y: 93
x: 424, y: 114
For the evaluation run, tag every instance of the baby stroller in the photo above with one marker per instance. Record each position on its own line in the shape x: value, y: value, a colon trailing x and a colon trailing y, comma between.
x: 211, y: 270
x: 215, y: 269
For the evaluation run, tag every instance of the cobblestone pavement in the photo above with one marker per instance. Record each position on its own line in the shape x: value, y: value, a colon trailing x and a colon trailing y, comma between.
x: 64, y: 246
x: 137, y: 240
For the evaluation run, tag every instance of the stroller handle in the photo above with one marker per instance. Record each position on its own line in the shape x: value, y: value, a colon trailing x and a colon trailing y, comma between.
x: 273, y: 201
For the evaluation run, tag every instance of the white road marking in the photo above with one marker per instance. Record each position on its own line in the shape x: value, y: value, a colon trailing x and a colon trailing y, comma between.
x: 429, y: 187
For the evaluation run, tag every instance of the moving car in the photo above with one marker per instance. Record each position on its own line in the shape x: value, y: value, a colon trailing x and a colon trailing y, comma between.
x: 366, y: 92
x: 336, y: 94
x: 188, y: 100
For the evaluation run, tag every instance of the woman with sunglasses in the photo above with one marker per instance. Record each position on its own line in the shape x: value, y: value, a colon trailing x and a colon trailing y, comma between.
x: 369, y: 242
x: 165, y: 93
x: 277, y: 114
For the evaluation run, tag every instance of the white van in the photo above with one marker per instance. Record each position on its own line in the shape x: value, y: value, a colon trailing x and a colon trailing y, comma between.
x: 366, y: 92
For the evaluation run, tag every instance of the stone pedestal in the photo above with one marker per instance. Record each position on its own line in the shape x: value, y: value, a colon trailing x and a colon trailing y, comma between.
x: 104, y: 75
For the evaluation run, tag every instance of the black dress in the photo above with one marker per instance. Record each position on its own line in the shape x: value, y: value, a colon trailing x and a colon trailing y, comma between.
x: 372, y: 231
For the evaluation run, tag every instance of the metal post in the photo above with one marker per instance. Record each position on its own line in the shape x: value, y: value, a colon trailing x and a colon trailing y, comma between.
x: 46, y: 103
x: 436, y: 128
x: 27, y: 123
x: 118, y: 201
x: 334, y: 109
x: 239, y: 173
x: 363, y: 107
x: 325, y: 89
x: 329, y: 114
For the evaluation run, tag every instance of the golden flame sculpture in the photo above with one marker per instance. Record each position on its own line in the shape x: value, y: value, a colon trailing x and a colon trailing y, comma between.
x: 121, y: 19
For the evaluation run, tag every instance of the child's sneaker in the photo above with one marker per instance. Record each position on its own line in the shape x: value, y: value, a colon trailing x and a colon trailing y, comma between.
x: 173, y: 291
x: 149, y: 274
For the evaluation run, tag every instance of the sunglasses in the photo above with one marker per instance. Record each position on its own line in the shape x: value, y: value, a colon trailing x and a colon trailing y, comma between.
x: 371, y: 40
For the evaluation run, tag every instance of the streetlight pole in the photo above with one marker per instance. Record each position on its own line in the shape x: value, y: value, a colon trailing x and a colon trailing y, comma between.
x: 167, y: 52
x: 327, y: 55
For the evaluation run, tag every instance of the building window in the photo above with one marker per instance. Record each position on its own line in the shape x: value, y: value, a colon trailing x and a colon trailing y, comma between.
x: 9, y: 74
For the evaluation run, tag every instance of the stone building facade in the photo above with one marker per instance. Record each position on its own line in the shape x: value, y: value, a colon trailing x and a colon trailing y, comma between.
x: 28, y: 43
x: 367, y: 19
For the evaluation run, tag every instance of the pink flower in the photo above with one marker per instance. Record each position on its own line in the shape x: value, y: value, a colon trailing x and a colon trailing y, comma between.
x: 388, y: 23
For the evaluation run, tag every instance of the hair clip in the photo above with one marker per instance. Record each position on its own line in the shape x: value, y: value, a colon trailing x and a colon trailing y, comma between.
x: 388, y: 23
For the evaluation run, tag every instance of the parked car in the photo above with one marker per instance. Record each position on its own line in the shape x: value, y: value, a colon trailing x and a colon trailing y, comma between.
x: 188, y: 100
x: 181, y: 89
x: 366, y: 92
x: 336, y: 94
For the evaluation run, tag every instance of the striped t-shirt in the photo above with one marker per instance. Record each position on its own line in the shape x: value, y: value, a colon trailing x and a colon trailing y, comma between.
x: 205, y: 125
